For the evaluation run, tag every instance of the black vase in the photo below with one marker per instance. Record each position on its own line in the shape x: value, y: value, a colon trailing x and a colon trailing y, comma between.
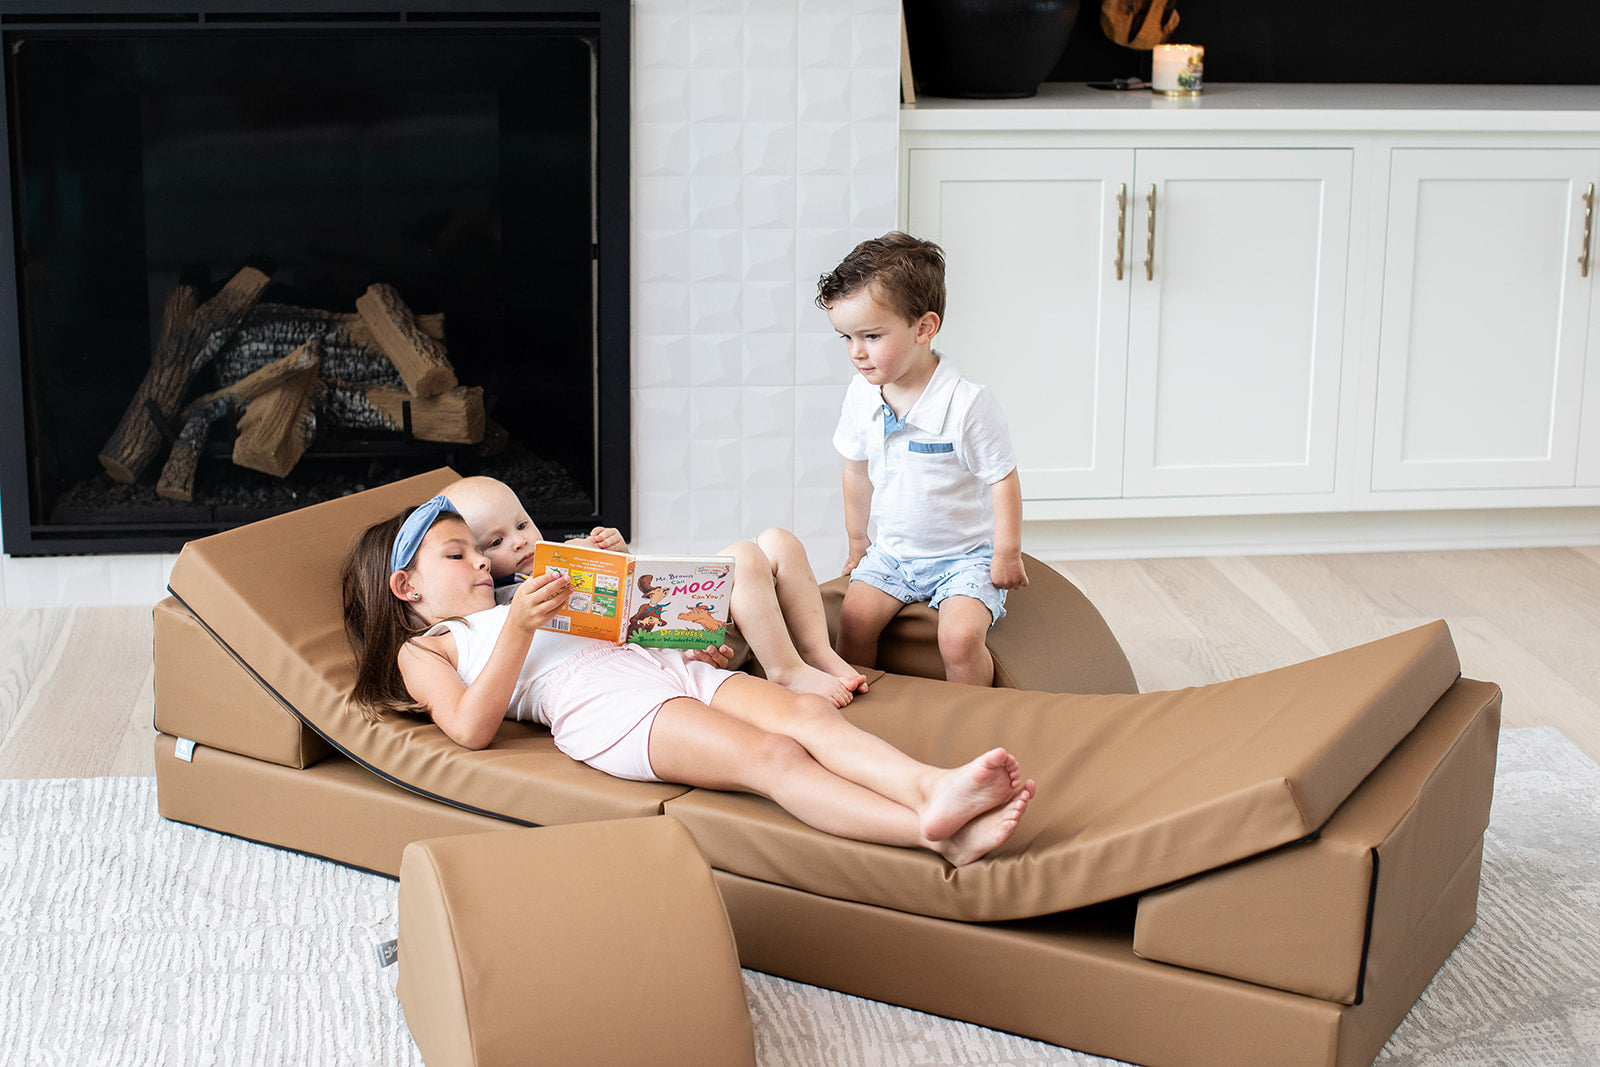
x: 986, y: 48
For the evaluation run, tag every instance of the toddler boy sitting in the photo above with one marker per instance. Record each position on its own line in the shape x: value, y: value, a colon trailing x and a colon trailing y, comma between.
x: 928, y: 459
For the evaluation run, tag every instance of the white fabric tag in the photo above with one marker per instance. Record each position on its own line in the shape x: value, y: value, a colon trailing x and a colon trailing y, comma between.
x: 388, y: 951
x: 184, y: 750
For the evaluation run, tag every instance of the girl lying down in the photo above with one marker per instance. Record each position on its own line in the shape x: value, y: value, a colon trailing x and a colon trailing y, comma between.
x: 420, y: 611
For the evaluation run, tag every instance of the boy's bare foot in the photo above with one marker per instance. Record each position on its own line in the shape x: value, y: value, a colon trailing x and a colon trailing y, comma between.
x: 808, y: 679
x: 968, y: 791
x: 987, y: 832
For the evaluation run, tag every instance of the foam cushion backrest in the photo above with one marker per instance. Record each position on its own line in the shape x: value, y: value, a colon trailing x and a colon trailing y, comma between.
x: 270, y: 593
x: 1134, y: 791
x: 1052, y: 638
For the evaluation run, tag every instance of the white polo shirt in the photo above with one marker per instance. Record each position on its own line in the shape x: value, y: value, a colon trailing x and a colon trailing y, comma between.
x: 931, y: 471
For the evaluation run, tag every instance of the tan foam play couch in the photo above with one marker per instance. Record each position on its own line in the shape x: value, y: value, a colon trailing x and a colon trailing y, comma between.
x: 1267, y: 870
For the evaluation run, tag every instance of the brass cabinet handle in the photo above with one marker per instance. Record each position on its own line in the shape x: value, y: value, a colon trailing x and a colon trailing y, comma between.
x: 1150, y: 238
x: 1122, y: 222
x: 1588, y: 230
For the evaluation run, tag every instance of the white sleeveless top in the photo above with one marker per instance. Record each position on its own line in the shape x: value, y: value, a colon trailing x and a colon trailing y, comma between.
x: 476, y: 635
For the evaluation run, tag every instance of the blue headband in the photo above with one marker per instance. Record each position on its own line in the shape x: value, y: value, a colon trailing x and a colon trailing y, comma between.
x: 415, y: 528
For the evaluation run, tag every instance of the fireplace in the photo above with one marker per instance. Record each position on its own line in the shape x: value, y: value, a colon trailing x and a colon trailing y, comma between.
x: 261, y: 254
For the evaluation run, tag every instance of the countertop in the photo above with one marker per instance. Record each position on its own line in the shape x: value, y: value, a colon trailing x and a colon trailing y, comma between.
x: 1265, y: 106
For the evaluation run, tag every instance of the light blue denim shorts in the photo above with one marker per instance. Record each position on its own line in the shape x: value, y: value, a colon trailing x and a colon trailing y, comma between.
x: 933, y: 579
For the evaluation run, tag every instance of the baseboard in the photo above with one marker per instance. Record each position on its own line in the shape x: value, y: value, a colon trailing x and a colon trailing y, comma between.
x: 1316, y: 533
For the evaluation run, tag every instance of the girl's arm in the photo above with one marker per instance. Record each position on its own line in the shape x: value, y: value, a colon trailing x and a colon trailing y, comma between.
x: 470, y: 715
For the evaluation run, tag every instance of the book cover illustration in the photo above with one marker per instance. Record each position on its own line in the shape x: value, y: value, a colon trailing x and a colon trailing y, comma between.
x: 658, y: 601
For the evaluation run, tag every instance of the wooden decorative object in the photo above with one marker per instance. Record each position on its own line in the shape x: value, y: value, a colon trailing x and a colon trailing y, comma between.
x: 190, y: 336
x: 419, y: 358
x: 277, y: 427
x: 177, y: 476
x: 455, y: 415
x: 1141, y: 24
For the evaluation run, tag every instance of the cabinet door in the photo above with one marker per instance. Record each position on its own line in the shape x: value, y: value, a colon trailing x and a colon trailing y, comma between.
x: 1481, y: 343
x: 1035, y: 310
x: 1236, y: 325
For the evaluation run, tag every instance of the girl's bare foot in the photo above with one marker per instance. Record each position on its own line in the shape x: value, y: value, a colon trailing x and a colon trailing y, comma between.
x: 808, y: 679
x: 968, y: 791
x: 831, y: 662
x: 987, y: 832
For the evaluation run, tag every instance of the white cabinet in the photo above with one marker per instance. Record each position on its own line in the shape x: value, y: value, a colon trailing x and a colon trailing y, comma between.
x: 1359, y: 299
x: 1156, y: 322
x: 1034, y: 309
x: 1485, y: 319
x: 1235, y: 326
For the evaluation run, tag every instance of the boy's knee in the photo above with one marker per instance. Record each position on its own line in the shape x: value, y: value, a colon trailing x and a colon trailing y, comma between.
x: 964, y: 635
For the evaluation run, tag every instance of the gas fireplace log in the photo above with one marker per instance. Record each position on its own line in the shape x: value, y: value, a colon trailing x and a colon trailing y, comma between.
x: 349, y: 350
x: 177, y: 476
x: 419, y: 358
x: 455, y: 416
x: 308, y: 357
x: 277, y: 427
x: 190, y: 336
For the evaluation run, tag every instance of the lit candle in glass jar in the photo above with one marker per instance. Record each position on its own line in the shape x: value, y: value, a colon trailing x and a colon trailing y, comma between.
x: 1177, y: 69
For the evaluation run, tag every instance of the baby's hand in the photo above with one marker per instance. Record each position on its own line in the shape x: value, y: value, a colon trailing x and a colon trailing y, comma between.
x: 538, y: 599
x: 853, y: 556
x: 1007, y: 572
x: 717, y: 657
x: 608, y: 538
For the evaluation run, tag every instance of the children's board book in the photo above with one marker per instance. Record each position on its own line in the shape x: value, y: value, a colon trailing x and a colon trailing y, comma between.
x: 656, y: 601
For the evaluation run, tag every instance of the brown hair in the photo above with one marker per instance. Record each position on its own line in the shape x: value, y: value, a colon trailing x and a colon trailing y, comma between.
x: 905, y: 273
x: 378, y: 623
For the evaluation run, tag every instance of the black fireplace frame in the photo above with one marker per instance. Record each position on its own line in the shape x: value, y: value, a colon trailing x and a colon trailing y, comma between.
x: 24, y: 535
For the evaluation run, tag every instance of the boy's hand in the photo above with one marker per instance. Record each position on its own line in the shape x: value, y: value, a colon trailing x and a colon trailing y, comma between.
x: 607, y: 538
x: 537, y: 600
x: 1007, y: 572
x: 717, y: 657
x: 854, y: 555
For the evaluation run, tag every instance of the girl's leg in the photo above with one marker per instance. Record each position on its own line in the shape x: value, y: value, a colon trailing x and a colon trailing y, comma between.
x: 757, y: 609
x: 701, y: 746
x: 944, y: 798
x: 801, y: 605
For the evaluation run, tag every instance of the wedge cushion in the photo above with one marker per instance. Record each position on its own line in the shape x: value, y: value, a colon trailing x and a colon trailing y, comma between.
x: 1134, y: 791
x: 1298, y: 918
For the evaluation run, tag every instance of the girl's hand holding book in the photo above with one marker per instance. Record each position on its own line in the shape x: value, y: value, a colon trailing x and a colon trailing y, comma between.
x: 538, y: 599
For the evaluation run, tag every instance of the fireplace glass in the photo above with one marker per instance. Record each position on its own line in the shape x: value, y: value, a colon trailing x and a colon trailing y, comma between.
x: 261, y: 261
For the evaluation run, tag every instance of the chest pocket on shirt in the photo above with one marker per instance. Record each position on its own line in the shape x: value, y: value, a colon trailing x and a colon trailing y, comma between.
x: 930, y: 448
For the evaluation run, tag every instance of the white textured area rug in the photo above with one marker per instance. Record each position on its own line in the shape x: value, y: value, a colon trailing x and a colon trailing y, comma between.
x: 126, y: 939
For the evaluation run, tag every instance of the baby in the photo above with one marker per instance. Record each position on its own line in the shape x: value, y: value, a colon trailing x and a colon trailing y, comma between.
x: 775, y: 603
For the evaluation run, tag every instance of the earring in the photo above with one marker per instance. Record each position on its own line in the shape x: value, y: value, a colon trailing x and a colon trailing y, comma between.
x: 416, y: 596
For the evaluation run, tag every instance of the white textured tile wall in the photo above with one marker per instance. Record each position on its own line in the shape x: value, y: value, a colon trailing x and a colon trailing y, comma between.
x: 764, y: 148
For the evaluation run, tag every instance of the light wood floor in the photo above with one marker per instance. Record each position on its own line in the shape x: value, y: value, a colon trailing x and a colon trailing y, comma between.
x: 76, y: 684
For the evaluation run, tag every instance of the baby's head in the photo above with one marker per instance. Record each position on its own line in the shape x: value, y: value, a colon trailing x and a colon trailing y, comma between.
x: 505, y: 533
x: 903, y: 273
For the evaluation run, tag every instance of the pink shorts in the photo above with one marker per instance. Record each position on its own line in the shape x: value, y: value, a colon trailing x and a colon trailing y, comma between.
x: 598, y: 693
